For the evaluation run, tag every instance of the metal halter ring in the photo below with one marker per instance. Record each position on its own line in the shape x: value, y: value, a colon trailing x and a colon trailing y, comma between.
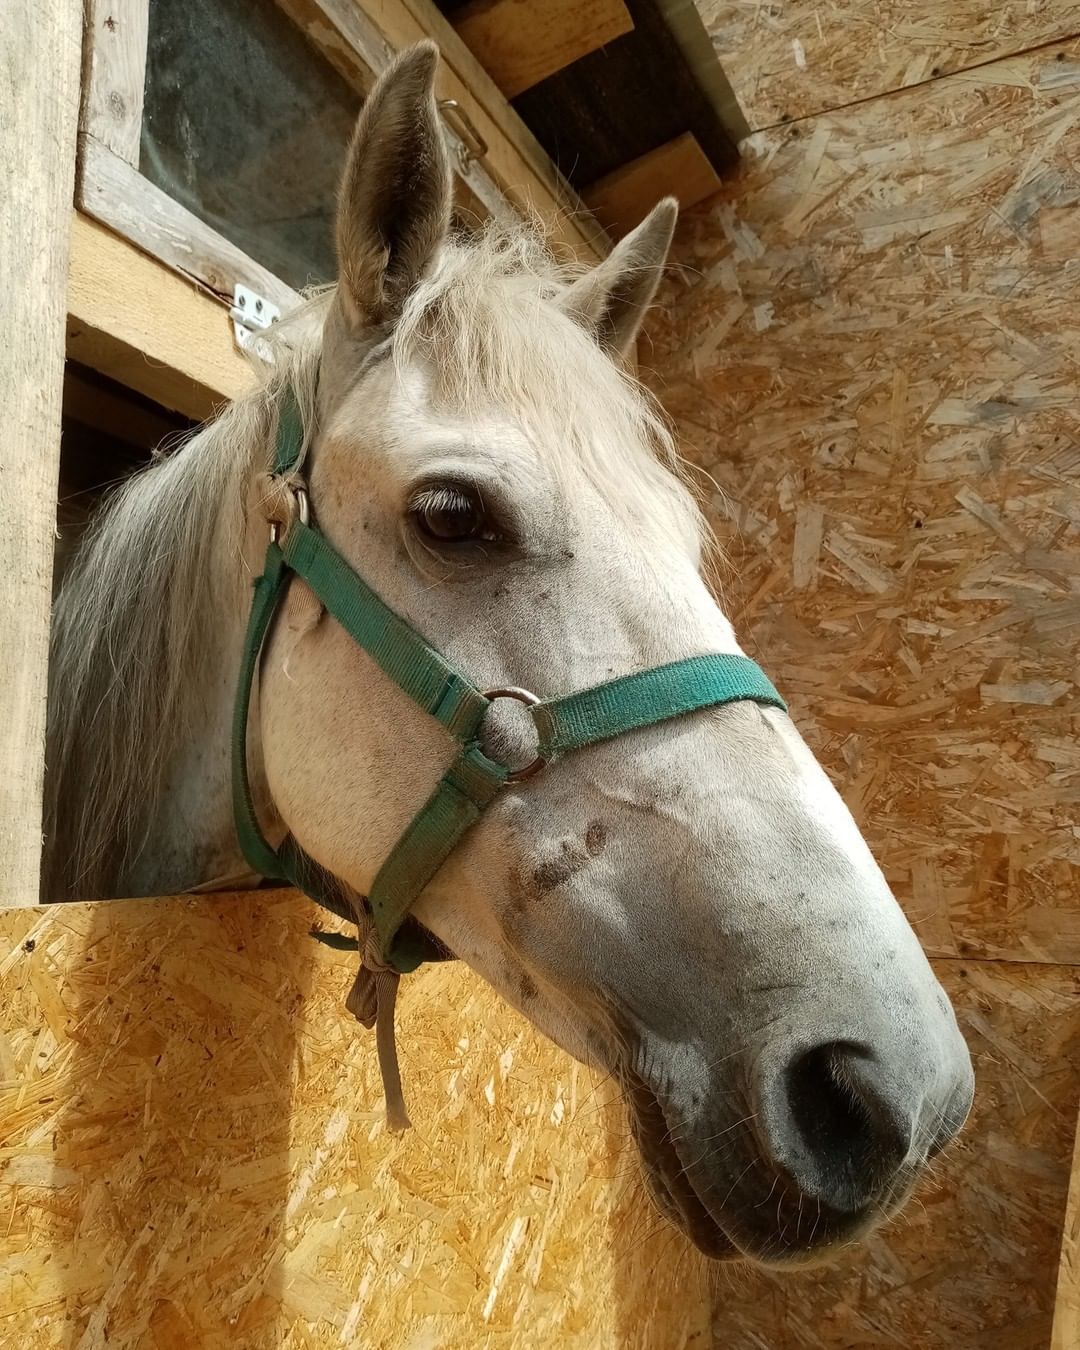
x: 303, y: 511
x: 530, y: 700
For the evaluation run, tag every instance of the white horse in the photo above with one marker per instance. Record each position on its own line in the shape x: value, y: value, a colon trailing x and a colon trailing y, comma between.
x: 690, y: 906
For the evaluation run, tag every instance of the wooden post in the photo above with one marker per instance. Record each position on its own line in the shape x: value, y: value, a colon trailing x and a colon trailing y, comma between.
x: 40, y: 57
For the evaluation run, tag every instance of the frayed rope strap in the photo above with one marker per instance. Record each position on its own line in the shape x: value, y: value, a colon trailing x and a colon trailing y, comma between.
x: 388, y: 946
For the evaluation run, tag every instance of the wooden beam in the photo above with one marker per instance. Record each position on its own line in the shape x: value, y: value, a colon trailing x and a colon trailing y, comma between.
x: 1066, y: 1334
x: 521, y: 42
x: 40, y: 57
x: 680, y: 169
x: 141, y: 323
x: 617, y: 104
x: 685, y: 24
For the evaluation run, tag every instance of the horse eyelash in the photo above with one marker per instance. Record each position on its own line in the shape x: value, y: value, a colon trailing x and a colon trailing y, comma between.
x: 443, y: 496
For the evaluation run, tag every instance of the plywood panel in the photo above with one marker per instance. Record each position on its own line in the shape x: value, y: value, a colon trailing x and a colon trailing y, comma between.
x: 870, y: 346
x: 971, y: 1263
x: 796, y: 58
x: 192, y: 1153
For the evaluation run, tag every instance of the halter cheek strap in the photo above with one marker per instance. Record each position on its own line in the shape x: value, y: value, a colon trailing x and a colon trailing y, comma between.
x: 473, y: 779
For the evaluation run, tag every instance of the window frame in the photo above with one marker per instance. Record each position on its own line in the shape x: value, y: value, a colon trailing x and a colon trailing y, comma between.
x: 498, y: 165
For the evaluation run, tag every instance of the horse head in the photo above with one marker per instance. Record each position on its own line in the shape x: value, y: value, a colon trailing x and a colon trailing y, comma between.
x: 690, y: 906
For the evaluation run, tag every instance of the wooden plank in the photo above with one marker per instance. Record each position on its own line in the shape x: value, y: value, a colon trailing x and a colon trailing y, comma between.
x: 683, y: 19
x: 1067, y: 1304
x: 680, y: 169
x: 40, y: 57
x: 612, y: 106
x: 521, y: 42
x: 116, y: 38
x: 522, y: 169
x: 193, y: 1057
x: 137, y: 321
x: 114, y: 192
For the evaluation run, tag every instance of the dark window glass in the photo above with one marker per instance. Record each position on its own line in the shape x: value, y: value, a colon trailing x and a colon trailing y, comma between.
x: 247, y: 125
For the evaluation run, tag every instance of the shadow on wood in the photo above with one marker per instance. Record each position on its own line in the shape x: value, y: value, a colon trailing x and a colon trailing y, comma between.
x: 194, y: 1152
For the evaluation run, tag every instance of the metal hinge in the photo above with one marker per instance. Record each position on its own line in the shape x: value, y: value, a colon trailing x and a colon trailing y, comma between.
x: 252, y: 314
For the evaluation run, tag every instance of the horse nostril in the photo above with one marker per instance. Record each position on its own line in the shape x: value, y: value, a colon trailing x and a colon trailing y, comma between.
x: 852, y: 1131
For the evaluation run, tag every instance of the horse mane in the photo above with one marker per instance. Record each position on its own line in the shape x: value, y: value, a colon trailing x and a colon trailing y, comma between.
x: 134, y: 619
x: 133, y: 623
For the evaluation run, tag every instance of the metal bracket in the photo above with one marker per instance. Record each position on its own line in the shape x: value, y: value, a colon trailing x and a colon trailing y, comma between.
x: 470, y: 145
x: 251, y: 315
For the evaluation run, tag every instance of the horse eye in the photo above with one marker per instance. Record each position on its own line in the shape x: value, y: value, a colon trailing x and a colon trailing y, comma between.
x: 451, y: 515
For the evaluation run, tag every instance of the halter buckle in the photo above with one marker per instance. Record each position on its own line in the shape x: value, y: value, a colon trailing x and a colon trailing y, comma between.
x: 530, y: 700
x: 301, y: 510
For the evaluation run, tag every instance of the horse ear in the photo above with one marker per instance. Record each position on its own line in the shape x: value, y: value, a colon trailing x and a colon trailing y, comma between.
x: 613, y: 297
x: 394, y: 208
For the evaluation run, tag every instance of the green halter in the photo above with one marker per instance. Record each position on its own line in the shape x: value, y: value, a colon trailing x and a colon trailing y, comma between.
x: 473, y: 780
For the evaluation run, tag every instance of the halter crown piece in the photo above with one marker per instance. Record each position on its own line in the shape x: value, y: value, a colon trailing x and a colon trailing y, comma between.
x: 389, y: 946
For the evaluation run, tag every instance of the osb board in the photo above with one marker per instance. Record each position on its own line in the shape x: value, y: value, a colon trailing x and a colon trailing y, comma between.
x: 971, y: 1263
x: 871, y: 347
x: 1067, y: 1303
x: 192, y: 1153
x: 794, y: 58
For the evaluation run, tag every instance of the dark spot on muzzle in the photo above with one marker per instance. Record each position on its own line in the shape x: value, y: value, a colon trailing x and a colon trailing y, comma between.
x: 571, y: 858
x: 554, y: 872
x: 596, y: 838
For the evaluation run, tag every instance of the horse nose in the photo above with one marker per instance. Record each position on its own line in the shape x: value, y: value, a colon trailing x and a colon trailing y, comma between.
x: 840, y: 1124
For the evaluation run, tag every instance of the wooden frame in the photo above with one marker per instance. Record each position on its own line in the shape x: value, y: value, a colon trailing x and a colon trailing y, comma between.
x: 110, y: 187
x: 496, y: 159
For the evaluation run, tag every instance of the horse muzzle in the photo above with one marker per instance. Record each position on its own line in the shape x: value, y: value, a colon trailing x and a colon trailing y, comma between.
x: 810, y: 1153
